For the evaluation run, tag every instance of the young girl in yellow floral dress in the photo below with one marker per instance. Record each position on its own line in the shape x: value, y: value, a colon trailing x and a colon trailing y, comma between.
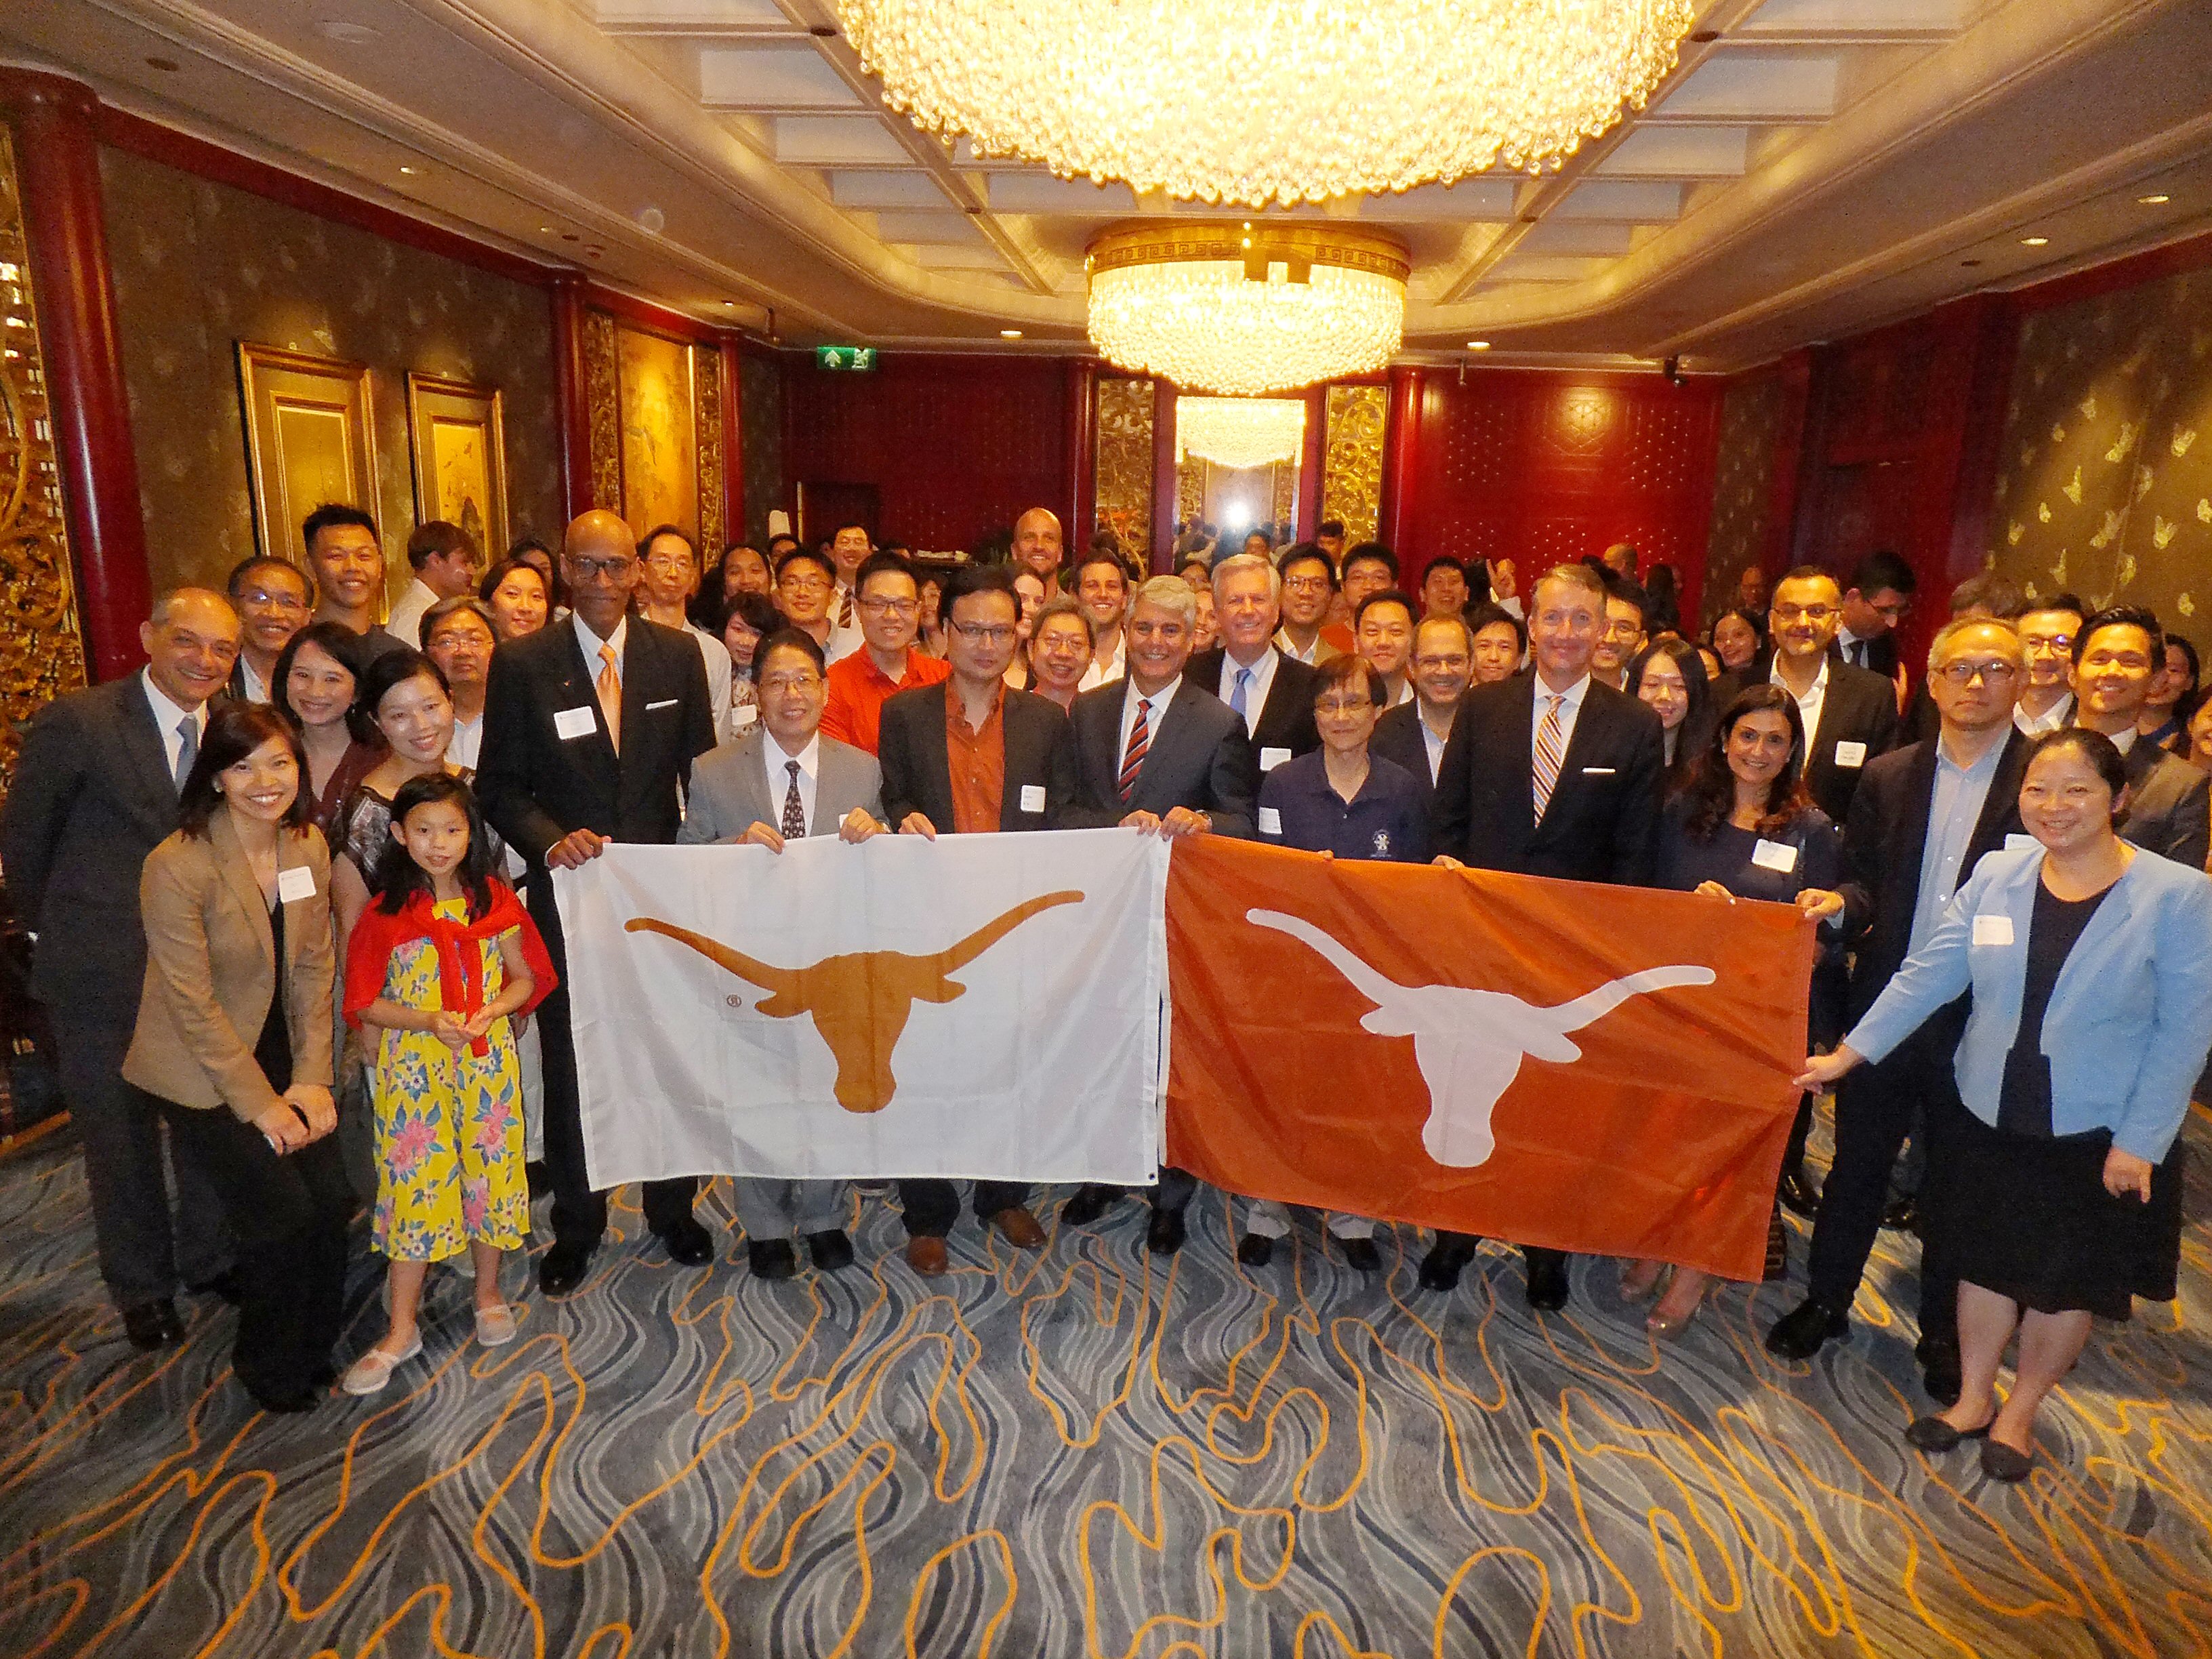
x: 437, y: 967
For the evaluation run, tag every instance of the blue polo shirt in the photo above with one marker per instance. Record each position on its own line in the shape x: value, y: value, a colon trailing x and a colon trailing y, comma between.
x: 1388, y: 818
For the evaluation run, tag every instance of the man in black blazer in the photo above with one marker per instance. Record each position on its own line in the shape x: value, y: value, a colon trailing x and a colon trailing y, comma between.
x: 1156, y: 752
x: 2117, y: 655
x: 1015, y: 770
x: 590, y: 728
x: 95, y: 792
x: 1414, y: 734
x: 1880, y: 594
x: 1922, y: 818
x: 1593, y: 756
x: 1273, y: 692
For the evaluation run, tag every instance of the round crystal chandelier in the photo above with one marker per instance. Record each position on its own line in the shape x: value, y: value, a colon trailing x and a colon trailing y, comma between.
x: 1242, y: 309
x: 1324, y: 99
x: 1240, y: 432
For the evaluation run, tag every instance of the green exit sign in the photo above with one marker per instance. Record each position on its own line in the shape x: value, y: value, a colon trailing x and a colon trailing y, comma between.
x: 862, y: 358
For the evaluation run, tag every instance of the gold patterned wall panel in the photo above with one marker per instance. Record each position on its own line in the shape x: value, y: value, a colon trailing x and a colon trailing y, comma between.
x: 603, y: 401
x: 2104, y: 478
x: 41, y: 642
x: 1122, y: 476
x: 707, y: 390
x: 1351, y: 459
x: 1743, y: 493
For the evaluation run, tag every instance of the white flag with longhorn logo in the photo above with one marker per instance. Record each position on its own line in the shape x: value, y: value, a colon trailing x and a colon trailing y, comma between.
x: 979, y: 1006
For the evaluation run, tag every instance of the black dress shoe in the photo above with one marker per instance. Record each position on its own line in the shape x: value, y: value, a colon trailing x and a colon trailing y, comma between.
x: 1547, y: 1283
x: 226, y: 1285
x: 1440, y: 1267
x: 771, y: 1258
x: 1933, y: 1434
x: 562, y: 1267
x: 1806, y: 1329
x: 152, y: 1325
x: 1255, y: 1249
x: 690, y: 1244
x: 830, y: 1250
x: 1902, y: 1215
x: 286, y: 1404
x: 1165, y: 1235
x: 1089, y: 1203
x: 1798, y: 1195
x: 1360, y: 1253
x: 2000, y: 1463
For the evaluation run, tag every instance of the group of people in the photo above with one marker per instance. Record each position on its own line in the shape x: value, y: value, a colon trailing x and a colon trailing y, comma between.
x: 320, y: 847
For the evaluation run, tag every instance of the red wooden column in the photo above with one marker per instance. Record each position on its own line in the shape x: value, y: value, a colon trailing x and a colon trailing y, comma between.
x: 1401, y: 446
x: 1165, y: 486
x: 1311, y: 456
x: 1082, y: 463
x: 57, y: 168
x: 572, y: 392
x: 731, y: 344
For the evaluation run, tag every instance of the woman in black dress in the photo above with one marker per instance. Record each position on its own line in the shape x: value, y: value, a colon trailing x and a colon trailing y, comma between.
x: 1669, y: 674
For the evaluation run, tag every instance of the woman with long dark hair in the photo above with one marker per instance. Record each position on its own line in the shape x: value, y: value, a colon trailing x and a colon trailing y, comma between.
x: 313, y: 686
x: 1669, y: 674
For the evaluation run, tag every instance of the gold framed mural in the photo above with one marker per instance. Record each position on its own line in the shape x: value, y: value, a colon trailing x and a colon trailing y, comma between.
x: 659, y: 430
x: 310, y: 438
x: 460, y: 451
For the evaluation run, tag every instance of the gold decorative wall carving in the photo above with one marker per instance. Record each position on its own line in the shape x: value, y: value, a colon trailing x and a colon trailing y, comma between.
x: 1122, y: 476
x: 42, y: 640
x: 707, y: 390
x: 1351, y: 459
x: 602, y: 399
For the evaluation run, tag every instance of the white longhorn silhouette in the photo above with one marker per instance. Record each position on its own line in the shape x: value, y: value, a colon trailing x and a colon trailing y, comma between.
x: 1470, y: 1044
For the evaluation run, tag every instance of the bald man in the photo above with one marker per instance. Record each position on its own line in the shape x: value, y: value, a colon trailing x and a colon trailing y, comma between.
x: 1038, y: 545
x: 590, y: 728
x: 95, y: 791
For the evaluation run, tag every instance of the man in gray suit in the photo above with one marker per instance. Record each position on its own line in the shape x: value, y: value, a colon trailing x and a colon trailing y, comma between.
x: 780, y: 782
x: 2117, y: 655
x: 95, y: 791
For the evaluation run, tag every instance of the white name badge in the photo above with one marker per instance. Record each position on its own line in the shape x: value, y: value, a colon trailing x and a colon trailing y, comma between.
x: 574, y: 722
x: 2021, y: 843
x: 1271, y: 821
x: 1032, y: 798
x: 1850, y: 754
x: 1271, y: 757
x: 1774, y: 855
x: 746, y: 716
x: 295, y: 883
x: 1992, y: 930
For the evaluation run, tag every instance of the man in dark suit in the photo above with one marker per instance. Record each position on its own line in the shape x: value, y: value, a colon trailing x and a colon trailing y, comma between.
x: 1273, y: 692
x: 2117, y: 655
x: 1414, y: 734
x: 1015, y: 770
x: 1158, y: 753
x: 1880, y: 594
x: 1549, y: 774
x: 95, y: 792
x: 591, y: 726
x: 1922, y: 819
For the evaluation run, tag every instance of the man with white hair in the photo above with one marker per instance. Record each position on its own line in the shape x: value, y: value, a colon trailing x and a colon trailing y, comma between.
x: 1273, y: 692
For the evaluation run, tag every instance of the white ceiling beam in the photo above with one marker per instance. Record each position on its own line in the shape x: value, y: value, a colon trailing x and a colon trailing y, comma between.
x: 793, y: 77
x: 1857, y: 22
x: 947, y: 226
x: 1738, y: 87
x: 688, y: 16
x: 835, y: 141
x: 909, y: 187
x: 1556, y: 236
x: 1639, y: 201
x: 1680, y: 152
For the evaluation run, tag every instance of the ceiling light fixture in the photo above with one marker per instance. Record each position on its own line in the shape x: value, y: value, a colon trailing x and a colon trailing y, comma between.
x: 1473, y: 84
x: 2034, y: 241
x: 1240, y: 432
x: 1478, y: 345
x: 1217, y: 310
x: 2153, y: 201
x: 1009, y: 334
x: 409, y: 172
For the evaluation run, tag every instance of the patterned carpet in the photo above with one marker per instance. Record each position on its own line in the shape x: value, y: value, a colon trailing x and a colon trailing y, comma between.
x: 1075, y: 1454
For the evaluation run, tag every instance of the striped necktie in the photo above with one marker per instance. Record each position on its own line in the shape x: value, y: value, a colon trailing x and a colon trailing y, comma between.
x: 1550, y: 749
x: 1133, y: 759
x: 794, y: 808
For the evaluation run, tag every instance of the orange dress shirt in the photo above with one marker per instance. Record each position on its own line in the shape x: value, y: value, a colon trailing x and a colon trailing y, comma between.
x: 859, y: 689
x: 977, y: 760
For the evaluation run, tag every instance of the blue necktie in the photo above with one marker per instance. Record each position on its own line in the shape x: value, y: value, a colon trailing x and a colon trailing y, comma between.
x: 1237, y: 692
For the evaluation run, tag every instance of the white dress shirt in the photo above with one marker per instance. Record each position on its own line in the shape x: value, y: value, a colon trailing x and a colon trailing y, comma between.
x: 257, y: 689
x: 1809, y: 705
x: 1571, y: 709
x: 1156, y: 708
x: 405, y: 622
x: 1116, y: 668
x: 1255, y: 689
x: 2049, y: 720
x: 1284, y: 644
x: 1433, y: 743
x: 467, y: 742
x: 591, y: 642
x: 719, y: 669
x: 169, y: 716
x: 776, y: 762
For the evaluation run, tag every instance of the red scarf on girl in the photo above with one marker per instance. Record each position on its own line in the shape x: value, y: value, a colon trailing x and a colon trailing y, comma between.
x: 460, y: 971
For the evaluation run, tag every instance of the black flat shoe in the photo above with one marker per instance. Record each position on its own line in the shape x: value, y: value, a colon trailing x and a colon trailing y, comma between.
x: 1361, y: 1254
x: 225, y: 1285
x: 1806, y: 1329
x: 690, y: 1244
x: 152, y: 1325
x: 1255, y: 1249
x: 562, y: 1267
x: 2000, y: 1463
x: 1165, y: 1235
x: 1087, y: 1207
x: 1798, y: 1195
x: 1547, y: 1284
x: 830, y: 1250
x: 771, y: 1258
x: 1933, y: 1434
x: 1441, y: 1267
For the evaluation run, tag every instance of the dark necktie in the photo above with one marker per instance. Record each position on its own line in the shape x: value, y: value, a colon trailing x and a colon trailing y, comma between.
x: 188, y: 752
x: 794, y: 810
x: 1132, y: 760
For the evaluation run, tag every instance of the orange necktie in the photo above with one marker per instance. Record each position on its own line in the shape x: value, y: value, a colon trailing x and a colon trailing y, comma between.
x: 609, y: 686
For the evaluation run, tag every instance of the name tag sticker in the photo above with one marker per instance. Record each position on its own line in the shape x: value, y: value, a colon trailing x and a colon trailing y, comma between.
x: 2021, y: 843
x: 1992, y: 930
x: 1774, y: 855
x: 666, y: 703
x: 1850, y: 754
x: 574, y: 723
x: 1032, y: 798
x: 1272, y: 757
x: 746, y: 716
x: 1271, y: 821
x: 295, y: 883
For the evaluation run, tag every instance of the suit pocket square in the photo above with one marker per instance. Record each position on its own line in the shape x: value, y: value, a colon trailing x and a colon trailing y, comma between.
x: 1597, y: 771
x: 666, y: 703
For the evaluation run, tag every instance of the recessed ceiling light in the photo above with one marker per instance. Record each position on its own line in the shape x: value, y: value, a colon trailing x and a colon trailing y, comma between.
x: 731, y: 304
x: 1478, y: 345
x: 2153, y: 201
x: 170, y: 66
x: 545, y: 230
x: 1009, y: 334
x: 352, y: 34
x: 411, y: 172
x: 2034, y: 241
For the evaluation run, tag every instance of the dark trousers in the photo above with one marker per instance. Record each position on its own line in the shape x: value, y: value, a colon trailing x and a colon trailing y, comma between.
x: 932, y: 1206
x: 1465, y: 1244
x: 1876, y: 1107
x: 1173, y: 1193
x: 143, y: 1254
x: 288, y: 1214
x: 580, y: 1214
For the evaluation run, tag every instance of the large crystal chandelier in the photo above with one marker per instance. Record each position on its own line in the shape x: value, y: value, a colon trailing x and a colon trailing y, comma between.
x: 1240, y: 432
x: 1293, y: 100
x: 1242, y: 309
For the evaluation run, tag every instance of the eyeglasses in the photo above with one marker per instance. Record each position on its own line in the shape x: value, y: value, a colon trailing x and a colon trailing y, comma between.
x: 806, y: 682
x: 1813, y: 613
x: 672, y: 564
x: 1964, y: 674
x: 1305, y: 585
x: 591, y: 570
x: 804, y: 584
x: 891, y: 607
x: 2046, y: 643
x: 274, y: 601
x: 984, y: 633
x: 1344, y: 705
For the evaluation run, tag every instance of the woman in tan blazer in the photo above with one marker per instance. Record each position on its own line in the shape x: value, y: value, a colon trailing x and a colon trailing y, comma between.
x: 233, y: 1038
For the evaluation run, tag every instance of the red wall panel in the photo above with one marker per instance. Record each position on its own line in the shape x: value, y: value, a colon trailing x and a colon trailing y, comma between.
x: 1544, y: 468
x: 955, y: 447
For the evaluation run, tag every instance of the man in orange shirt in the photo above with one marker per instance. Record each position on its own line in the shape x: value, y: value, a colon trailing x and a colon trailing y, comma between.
x: 889, y: 604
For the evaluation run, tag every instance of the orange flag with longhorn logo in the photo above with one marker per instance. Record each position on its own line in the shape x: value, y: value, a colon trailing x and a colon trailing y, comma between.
x: 1595, y: 1069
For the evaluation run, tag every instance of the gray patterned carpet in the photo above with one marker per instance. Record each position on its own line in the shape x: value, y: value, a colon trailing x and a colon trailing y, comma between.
x: 1079, y: 1453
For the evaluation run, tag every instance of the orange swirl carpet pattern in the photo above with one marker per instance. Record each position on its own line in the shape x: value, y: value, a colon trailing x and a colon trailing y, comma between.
x: 1081, y: 1452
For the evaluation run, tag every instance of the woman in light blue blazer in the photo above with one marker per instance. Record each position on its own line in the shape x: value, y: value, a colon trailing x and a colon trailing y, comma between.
x: 2056, y: 1195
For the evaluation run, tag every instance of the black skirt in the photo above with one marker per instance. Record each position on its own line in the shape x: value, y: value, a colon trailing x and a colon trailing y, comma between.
x: 2028, y: 1217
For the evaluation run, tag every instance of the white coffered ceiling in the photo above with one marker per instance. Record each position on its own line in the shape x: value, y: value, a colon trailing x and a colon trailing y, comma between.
x: 1813, y: 166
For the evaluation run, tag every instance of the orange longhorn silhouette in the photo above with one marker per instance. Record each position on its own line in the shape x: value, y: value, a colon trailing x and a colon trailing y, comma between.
x: 860, y: 1001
